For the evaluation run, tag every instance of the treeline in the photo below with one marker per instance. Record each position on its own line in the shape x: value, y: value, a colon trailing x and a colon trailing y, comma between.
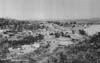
x: 18, y: 25
x: 25, y: 41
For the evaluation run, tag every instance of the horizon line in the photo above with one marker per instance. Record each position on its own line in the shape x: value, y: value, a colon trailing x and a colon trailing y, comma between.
x: 49, y: 19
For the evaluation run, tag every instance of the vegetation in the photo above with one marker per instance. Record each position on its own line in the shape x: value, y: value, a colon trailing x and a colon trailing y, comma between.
x: 87, y: 51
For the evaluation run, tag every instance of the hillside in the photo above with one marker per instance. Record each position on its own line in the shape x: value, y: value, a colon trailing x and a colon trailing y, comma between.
x: 24, y: 41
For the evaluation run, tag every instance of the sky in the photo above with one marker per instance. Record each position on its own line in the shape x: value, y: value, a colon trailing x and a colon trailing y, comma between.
x: 49, y: 9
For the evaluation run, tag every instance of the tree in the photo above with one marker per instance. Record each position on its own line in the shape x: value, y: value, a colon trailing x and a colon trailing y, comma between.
x: 82, y: 32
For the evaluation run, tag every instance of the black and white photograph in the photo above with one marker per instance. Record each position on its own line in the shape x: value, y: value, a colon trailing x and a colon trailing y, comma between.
x: 49, y: 31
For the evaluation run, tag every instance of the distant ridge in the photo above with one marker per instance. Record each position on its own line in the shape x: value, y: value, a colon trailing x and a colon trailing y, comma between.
x: 89, y: 20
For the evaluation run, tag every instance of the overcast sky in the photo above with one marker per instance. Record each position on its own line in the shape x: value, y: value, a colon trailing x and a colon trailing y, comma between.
x: 49, y: 9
